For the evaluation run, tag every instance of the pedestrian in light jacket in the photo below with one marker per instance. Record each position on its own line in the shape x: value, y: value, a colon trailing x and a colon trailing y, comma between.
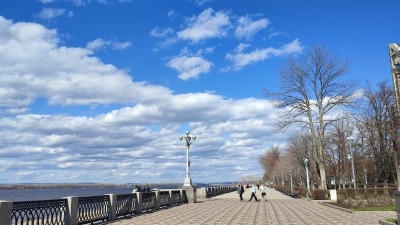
x: 253, y: 190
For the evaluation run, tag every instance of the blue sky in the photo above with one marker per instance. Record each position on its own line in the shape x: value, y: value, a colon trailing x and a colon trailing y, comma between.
x: 100, y: 90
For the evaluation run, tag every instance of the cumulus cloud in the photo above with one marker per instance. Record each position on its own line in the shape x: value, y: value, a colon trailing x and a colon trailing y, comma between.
x: 161, y: 33
x: 86, y: 2
x: 190, y: 66
x: 172, y: 14
x: 247, y: 28
x: 137, y: 138
x: 100, y: 43
x: 202, y: 2
x: 241, y: 59
x: 70, y: 76
x: 49, y: 13
x: 208, y: 24
x: 46, y: 1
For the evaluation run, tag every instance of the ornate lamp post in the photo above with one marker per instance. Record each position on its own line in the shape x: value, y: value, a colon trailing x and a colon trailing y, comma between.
x: 394, y: 53
x: 366, y: 179
x: 350, y: 156
x: 188, y: 140
x: 291, y: 180
x: 308, y: 178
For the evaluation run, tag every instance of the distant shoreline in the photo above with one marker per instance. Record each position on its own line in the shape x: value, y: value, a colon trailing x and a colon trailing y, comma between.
x: 96, y: 185
x: 74, y: 185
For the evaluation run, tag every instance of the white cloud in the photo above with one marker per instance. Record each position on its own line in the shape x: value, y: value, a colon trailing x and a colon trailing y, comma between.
x: 247, y: 28
x: 50, y: 13
x: 172, y: 14
x: 121, y: 45
x: 208, y: 24
x: 137, y: 138
x: 202, y: 2
x: 190, y: 66
x: 46, y: 1
x: 69, y: 76
x: 161, y: 33
x: 241, y: 59
x: 99, y: 43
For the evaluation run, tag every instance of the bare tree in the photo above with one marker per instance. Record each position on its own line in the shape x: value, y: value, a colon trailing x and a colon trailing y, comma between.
x: 310, y: 88
x: 382, y: 131
x: 268, y: 161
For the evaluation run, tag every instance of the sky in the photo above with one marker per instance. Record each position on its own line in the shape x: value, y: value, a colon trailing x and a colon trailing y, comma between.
x: 101, y: 90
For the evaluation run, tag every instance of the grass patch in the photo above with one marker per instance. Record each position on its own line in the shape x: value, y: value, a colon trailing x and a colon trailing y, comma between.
x: 391, y: 220
x: 375, y: 208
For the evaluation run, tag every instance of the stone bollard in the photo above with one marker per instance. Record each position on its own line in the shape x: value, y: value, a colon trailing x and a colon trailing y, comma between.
x: 5, y: 212
x: 397, y: 199
x: 157, y: 191
x: 139, y: 202
x: 72, y: 211
x: 333, y: 195
x: 112, y: 215
x: 203, y: 192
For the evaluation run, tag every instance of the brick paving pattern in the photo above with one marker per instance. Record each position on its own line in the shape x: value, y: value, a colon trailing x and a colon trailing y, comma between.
x: 279, y: 209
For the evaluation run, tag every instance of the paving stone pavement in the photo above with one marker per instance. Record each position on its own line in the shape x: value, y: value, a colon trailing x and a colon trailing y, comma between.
x: 279, y: 209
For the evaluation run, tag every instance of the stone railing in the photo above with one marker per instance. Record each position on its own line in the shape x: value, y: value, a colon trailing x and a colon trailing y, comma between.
x: 82, y: 210
x: 208, y: 192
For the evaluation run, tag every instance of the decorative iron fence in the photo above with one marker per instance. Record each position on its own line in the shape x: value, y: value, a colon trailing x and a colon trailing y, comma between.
x: 47, y: 212
x: 126, y: 204
x: 149, y: 201
x: 164, y: 199
x: 176, y: 197
x: 92, y: 209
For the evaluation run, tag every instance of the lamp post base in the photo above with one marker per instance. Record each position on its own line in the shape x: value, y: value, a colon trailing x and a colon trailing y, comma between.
x: 187, y: 182
x: 190, y: 193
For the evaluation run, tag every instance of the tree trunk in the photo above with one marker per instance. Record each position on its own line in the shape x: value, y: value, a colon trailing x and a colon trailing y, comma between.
x: 323, y: 177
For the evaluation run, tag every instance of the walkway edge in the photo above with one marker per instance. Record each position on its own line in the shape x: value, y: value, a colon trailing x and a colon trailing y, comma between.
x: 336, y: 207
x: 383, y: 222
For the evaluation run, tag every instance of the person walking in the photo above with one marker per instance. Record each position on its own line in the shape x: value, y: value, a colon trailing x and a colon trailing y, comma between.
x: 263, y: 194
x: 240, y: 191
x: 253, y: 190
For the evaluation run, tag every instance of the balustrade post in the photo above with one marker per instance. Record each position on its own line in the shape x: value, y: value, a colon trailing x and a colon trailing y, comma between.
x: 139, y: 202
x: 72, y: 212
x: 112, y: 214
x: 157, y: 191
x: 203, y: 192
x: 181, y: 192
x: 170, y: 197
x: 5, y: 212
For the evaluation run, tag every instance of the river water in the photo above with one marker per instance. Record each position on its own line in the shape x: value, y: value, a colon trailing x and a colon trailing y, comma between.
x: 47, y: 194
x: 57, y: 193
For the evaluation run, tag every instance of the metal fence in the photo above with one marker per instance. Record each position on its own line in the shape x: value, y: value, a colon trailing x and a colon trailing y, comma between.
x: 126, y: 204
x: 164, y: 199
x: 176, y: 197
x: 149, y: 201
x: 92, y: 209
x: 47, y: 212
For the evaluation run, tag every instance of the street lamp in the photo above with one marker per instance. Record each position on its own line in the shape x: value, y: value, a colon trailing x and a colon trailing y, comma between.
x: 308, y: 178
x: 291, y: 181
x: 366, y: 180
x: 350, y: 156
x: 188, y: 139
x: 394, y: 53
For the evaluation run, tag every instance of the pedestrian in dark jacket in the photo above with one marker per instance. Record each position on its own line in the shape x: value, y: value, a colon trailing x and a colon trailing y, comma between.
x: 240, y: 191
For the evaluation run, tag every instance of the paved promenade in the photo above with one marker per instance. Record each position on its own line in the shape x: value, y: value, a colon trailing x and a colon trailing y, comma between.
x: 279, y: 209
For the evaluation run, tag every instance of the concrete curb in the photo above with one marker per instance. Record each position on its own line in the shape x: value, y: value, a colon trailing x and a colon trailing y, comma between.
x: 336, y: 207
x: 383, y: 222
